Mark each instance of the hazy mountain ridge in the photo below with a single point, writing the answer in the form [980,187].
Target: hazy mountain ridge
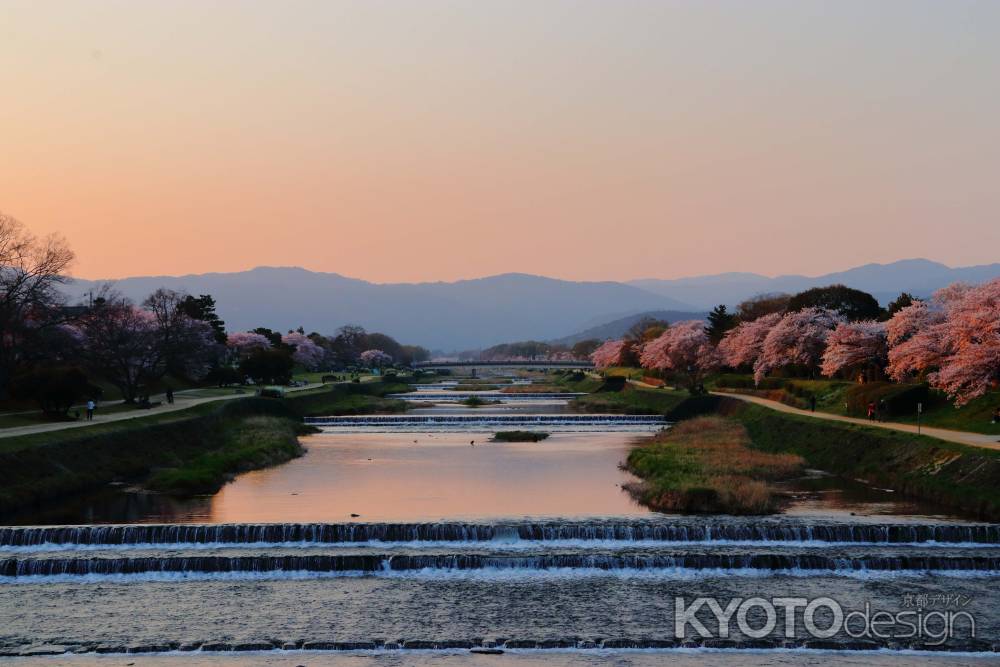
[920,277]
[456,315]
[618,327]
[476,313]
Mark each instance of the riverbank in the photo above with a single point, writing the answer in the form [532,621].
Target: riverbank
[250,443]
[957,476]
[630,399]
[187,451]
[708,465]
[895,402]
[951,475]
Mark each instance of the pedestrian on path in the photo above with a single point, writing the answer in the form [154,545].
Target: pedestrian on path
[170,395]
[871,411]
[91,406]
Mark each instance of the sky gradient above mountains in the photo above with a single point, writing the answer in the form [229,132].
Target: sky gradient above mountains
[585,139]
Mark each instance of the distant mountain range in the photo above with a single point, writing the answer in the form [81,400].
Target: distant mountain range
[466,314]
[919,277]
[469,314]
[618,327]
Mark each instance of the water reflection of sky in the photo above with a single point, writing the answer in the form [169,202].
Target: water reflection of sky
[421,476]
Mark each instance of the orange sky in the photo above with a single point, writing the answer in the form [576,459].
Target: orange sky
[433,140]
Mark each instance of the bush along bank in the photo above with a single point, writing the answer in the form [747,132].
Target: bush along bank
[708,465]
[629,399]
[248,444]
[349,399]
[188,452]
[83,459]
[956,476]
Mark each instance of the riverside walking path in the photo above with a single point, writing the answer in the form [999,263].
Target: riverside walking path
[960,437]
[182,401]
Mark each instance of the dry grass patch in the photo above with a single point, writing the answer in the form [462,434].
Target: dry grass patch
[707,464]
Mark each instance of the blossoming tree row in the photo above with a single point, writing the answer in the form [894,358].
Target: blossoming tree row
[951,340]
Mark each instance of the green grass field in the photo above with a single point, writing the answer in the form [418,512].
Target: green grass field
[630,400]
[849,398]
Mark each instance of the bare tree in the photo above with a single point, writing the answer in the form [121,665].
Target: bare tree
[31,270]
[135,347]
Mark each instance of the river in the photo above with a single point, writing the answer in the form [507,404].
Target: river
[409,540]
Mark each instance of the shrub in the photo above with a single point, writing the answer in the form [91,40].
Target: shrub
[900,399]
[224,375]
[269,366]
[519,436]
[616,383]
[55,388]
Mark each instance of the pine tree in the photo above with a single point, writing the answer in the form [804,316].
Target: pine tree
[719,322]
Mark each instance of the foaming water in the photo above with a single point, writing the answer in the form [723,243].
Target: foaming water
[595,533]
[681,657]
[422,610]
[501,575]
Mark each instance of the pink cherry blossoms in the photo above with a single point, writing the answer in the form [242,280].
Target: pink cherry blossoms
[861,344]
[799,338]
[683,348]
[611,353]
[969,340]
[245,342]
[307,353]
[375,358]
[741,346]
[915,337]
[951,341]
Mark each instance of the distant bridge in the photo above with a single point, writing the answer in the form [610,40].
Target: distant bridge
[503,364]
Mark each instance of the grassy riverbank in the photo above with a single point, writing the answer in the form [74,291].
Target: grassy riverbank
[248,444]
[630,399]
[185,451]
[708,465]
[351,398]
[953,475]
[565,381]
[898,401]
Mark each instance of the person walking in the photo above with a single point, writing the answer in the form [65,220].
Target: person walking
[170,395]
[812,403]
[871,411]
[91,406]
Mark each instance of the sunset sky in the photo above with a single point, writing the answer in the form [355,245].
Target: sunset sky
[402,141]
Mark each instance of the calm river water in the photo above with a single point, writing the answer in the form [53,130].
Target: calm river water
[410,545]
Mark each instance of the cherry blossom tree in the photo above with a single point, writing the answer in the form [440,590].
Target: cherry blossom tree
[246,342]
[134,347]
[612,353]
[683,350]
[970,338]
[915,335]
[860,344]
[307,353]
[798,339]
[741,346]
[375,358]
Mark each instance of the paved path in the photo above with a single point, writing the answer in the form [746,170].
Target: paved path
[961,437]
[181,402]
